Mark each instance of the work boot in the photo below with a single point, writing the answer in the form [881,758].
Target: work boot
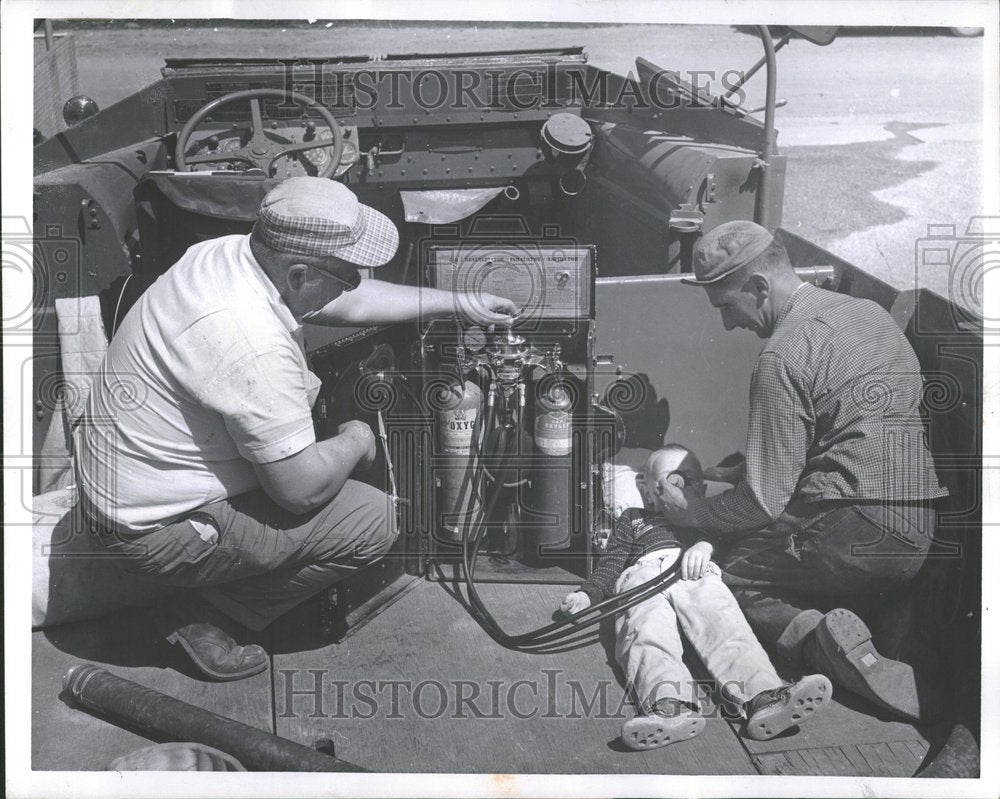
[201,632]
[841,648]
[671,721]
[773,711]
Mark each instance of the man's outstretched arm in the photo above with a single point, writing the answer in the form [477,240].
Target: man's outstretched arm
[376,302]
[778,438]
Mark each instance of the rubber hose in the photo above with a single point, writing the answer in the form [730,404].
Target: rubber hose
[557,631]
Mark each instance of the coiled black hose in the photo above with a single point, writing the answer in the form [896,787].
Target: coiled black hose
[559,631]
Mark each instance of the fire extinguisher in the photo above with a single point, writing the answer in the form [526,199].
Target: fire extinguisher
[458,503]
[551,486]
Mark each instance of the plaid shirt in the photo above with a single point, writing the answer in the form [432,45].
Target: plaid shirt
[834,414]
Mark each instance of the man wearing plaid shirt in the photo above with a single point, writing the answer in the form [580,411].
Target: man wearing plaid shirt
[831,504]
[212,478]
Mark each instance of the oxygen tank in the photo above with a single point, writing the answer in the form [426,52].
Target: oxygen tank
[457,461]
[551,490]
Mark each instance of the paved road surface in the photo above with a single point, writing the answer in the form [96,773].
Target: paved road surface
[883,132]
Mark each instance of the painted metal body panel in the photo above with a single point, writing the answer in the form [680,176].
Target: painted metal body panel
[675,371]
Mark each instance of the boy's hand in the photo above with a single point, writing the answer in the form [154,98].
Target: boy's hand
[574,603]
[695,559]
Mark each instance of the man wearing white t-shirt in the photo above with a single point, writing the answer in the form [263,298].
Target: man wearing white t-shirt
[198,461]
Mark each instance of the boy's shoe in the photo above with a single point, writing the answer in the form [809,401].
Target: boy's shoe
[202,633]
[841,647]
[772,712]
[671,721]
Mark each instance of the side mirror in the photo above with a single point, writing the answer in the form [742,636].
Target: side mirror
[817,34]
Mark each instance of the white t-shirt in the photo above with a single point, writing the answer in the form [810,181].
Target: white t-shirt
[206,376]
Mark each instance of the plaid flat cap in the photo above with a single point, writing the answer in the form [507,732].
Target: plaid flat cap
[726,248]
[317,216]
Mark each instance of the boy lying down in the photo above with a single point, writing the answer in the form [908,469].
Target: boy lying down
[648,636]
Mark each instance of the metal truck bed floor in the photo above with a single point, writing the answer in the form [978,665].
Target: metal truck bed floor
[436,656]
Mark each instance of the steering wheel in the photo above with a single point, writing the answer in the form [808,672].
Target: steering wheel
[260,150]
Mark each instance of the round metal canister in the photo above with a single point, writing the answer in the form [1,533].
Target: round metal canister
[568,136]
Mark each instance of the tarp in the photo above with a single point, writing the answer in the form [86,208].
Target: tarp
[177,210]
[445,205]
[233,197]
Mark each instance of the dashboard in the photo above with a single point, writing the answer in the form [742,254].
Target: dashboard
[230,139]
[474,116]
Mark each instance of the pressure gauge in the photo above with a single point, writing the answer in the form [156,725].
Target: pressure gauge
[318,157]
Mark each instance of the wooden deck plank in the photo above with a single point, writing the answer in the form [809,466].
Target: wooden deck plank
[65,737]
[915,749]
[436,654]
[858,760]
[892,759]
[895,759]
[833,761]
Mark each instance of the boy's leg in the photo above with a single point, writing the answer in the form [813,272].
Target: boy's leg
[649,649]
[720,634]
[648,645]
[718,631]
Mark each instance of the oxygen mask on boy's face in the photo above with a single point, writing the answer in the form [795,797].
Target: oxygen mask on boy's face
[669,490]
[649,485]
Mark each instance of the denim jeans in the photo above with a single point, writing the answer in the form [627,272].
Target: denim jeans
[253,559]
[811,560]
[649,647]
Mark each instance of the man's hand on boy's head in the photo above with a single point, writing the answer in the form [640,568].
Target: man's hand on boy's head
[731,469]
[574,603]
[671,501]
[695,559]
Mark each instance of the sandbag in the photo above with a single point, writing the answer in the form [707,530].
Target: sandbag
[72,577]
